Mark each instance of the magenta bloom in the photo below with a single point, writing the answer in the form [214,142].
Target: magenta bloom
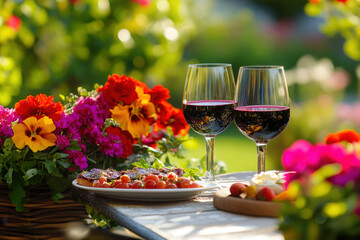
[7,116]
[143,3]
[78,157]
[305,158]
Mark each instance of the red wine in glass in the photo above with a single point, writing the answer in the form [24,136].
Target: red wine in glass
[261,123]
[208,104]
[262,105]
[208,117]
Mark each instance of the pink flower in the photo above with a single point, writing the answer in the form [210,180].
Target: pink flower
[13,22]
[143,3]
[305,158]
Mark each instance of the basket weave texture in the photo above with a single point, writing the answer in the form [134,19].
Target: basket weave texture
[42,217]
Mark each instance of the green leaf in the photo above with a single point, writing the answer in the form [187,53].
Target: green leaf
[25,152]
[30,173]
[142,163]
[56,197]
[60,155]
[7,146]
[17,194]
[63,164]
[157,164]
[28,165]
[74,146]
[192,172]
[50,166]
[9,176]
[56,173]
[167,161]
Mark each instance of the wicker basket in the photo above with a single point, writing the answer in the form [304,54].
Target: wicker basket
[42,218]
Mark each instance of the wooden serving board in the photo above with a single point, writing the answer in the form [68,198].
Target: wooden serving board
[224,201]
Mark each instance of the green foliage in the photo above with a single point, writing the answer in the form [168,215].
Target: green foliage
[62,44]
[21,168]
[99,220]
[340,18]
[157,164]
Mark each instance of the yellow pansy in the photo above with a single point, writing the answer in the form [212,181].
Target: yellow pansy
[135,117]
[34,133]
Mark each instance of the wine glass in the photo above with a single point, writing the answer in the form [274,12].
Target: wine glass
[208,104]
[262,105]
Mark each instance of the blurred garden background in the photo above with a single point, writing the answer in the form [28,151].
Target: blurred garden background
[54,46]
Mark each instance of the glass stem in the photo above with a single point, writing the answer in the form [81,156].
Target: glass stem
[261,152]
[210,141]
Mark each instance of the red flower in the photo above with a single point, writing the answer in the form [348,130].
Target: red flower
[121,90]
[39,106]
[125,137]
[173,117]
[178,123]
[343,1]
[159,93]
[13,22]
[164,111]
[345,135]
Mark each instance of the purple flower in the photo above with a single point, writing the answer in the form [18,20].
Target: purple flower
[78,157]
[62,141]
[112,146]
[91,111]
[7,116]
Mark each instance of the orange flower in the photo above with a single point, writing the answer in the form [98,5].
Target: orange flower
[345,135]
[34,133]
[137,117]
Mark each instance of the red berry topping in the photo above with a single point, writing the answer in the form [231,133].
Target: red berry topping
[150,184]
[237,188]
[265,194]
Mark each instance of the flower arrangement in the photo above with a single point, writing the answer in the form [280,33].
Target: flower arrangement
[42,141]
[325,188]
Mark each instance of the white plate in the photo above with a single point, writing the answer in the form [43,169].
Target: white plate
[153,195]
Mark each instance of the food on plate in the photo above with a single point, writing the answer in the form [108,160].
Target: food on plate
[136,178]
[87,178]
[265,194]
[266,186]
[237,188]
[271,179]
